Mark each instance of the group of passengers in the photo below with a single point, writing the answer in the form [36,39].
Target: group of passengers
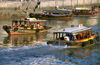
[84,12]
[84,35]
[27,25]
[79,36]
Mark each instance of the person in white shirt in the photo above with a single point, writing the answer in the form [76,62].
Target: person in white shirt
[66,38]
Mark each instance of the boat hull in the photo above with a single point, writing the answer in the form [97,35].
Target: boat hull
[26,32]
[54,17]
[97,9]
[78,43]
[22,31]
[85,15]
[72,44]
[43,16]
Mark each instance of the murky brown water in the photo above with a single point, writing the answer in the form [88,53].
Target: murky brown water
[28,40]
[23,51]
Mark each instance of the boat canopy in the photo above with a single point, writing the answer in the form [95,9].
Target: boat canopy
[57,11]
[73,29]
[35,20]
[97,6]
[82,8]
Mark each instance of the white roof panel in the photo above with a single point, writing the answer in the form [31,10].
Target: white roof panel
[73,29]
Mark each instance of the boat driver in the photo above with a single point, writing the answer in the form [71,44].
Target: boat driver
[66,38]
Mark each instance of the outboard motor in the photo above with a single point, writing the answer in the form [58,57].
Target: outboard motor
[6,28]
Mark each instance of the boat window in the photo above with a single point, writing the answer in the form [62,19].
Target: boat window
[71,37]
[77,37]
[83,35]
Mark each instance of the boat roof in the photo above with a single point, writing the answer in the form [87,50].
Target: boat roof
[35,20]
[74,29]
[82,8]
[57,11]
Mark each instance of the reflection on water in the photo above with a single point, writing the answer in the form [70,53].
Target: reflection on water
[24,40]
[32,49]
[46,55]
[29,40]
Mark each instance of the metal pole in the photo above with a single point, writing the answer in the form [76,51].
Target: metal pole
[59,35]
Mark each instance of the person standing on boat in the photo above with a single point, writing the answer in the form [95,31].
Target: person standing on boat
[16,23]
[25,22]
[45,26]
[20,22]
[38,25]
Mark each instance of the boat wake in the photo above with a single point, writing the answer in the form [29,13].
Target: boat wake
[30,55]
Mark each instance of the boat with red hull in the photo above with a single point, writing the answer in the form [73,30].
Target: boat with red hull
[97,8]
[53,14]
[74,37]
[26,27]
[81,11]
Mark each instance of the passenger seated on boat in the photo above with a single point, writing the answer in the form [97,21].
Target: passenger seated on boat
[22,25]
[32,26]
[78,37]
[87,34]
[20,22]
[84,35]
[25,27]
[66,38]
[45,26]
[14,22]
[72,38]
[25,22]
[38,24]
[62,38]
[90,33]
[77,12]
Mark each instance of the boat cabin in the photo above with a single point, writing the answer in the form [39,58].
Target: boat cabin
[78,11]
[58,12]
[74,34]
[53,14]
[29,24]
[97,8]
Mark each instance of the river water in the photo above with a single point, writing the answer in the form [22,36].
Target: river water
[32,49]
